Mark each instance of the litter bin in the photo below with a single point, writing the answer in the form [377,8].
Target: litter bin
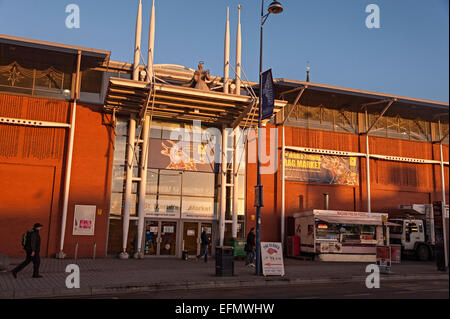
[224,261]
[184,255]
[239,247]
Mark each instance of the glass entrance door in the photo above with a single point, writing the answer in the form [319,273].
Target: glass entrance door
[151,240]
[160,238]
[168,238]
[190,238]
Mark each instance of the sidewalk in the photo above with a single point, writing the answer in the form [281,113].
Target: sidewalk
[112,275]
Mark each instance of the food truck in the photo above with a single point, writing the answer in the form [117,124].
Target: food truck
[333,235]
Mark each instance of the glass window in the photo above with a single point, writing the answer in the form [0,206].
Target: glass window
[168,204]
[198,206]
[120,150]
[345,121]
[169,182]
[118,179]
[314,117]
[198,184]
[152,181]
[444,132]
[116,204]
[380,127]
[172,131]
[327,119]
[121,127]
[419,130]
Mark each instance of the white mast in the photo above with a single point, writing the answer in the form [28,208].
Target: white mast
[238,54]
[226,70]
[137,43]
[151,44]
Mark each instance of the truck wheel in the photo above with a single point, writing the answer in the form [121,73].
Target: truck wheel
[423,253]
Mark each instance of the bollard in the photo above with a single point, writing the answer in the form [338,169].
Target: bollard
[95,249]
[76,251]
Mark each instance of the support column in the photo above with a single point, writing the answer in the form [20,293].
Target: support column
[235,182]
[128,185]
[142,186]
[283,185]
[369,207]
[61,253]
[443,204]
[223,186]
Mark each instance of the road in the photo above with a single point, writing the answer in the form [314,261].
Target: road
[432,289]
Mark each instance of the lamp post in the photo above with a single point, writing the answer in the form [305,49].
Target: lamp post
[275,7]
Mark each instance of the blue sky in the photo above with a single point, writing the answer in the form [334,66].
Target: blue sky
[408,55]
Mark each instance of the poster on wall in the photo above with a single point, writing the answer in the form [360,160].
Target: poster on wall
[181,155]
[272,259]
[84,220]
[323,169]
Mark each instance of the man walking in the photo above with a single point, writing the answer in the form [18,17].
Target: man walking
[205,243]
[32,246]
[250,248]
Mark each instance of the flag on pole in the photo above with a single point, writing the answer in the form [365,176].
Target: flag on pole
[267,95]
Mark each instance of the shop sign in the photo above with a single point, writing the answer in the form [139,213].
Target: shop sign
[181,155]
[324,169]
[272,259]
[84,220]
[197,208]
[162,208]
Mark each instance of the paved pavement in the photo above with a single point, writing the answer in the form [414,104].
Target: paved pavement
[113,276]
[423,289]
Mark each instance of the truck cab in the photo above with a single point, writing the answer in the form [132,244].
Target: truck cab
[410,233]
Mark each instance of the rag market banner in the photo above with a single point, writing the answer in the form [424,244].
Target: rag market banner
[323,169]
[181,155]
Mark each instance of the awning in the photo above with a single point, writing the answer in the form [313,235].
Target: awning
[182,103]
[353,221]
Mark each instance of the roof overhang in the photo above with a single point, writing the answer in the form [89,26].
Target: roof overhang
[182,103]
[52,46]
[317,93]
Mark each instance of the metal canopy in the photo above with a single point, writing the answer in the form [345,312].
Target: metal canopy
[52,46]
[337,97]
[181,103]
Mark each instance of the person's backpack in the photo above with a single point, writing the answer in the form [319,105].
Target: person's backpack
[26,238]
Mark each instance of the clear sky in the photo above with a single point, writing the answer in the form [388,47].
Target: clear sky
[408,55]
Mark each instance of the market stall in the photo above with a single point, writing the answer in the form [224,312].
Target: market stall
[341,235]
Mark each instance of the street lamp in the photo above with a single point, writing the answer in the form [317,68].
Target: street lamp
[275,8]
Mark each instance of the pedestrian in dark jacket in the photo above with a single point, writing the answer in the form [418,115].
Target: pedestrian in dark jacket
[32,248]
[250,248]
[205,243]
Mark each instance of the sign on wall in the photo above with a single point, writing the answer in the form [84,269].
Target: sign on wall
[272,259]
[324,169]
[84,220]
[180,155]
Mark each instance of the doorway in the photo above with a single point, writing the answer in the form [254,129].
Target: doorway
[192,232]
[160,238]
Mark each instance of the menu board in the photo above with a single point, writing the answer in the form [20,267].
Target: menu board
[324,169]
[272,259]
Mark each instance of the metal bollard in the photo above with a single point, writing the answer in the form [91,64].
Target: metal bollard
[95,249]
[76,251]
